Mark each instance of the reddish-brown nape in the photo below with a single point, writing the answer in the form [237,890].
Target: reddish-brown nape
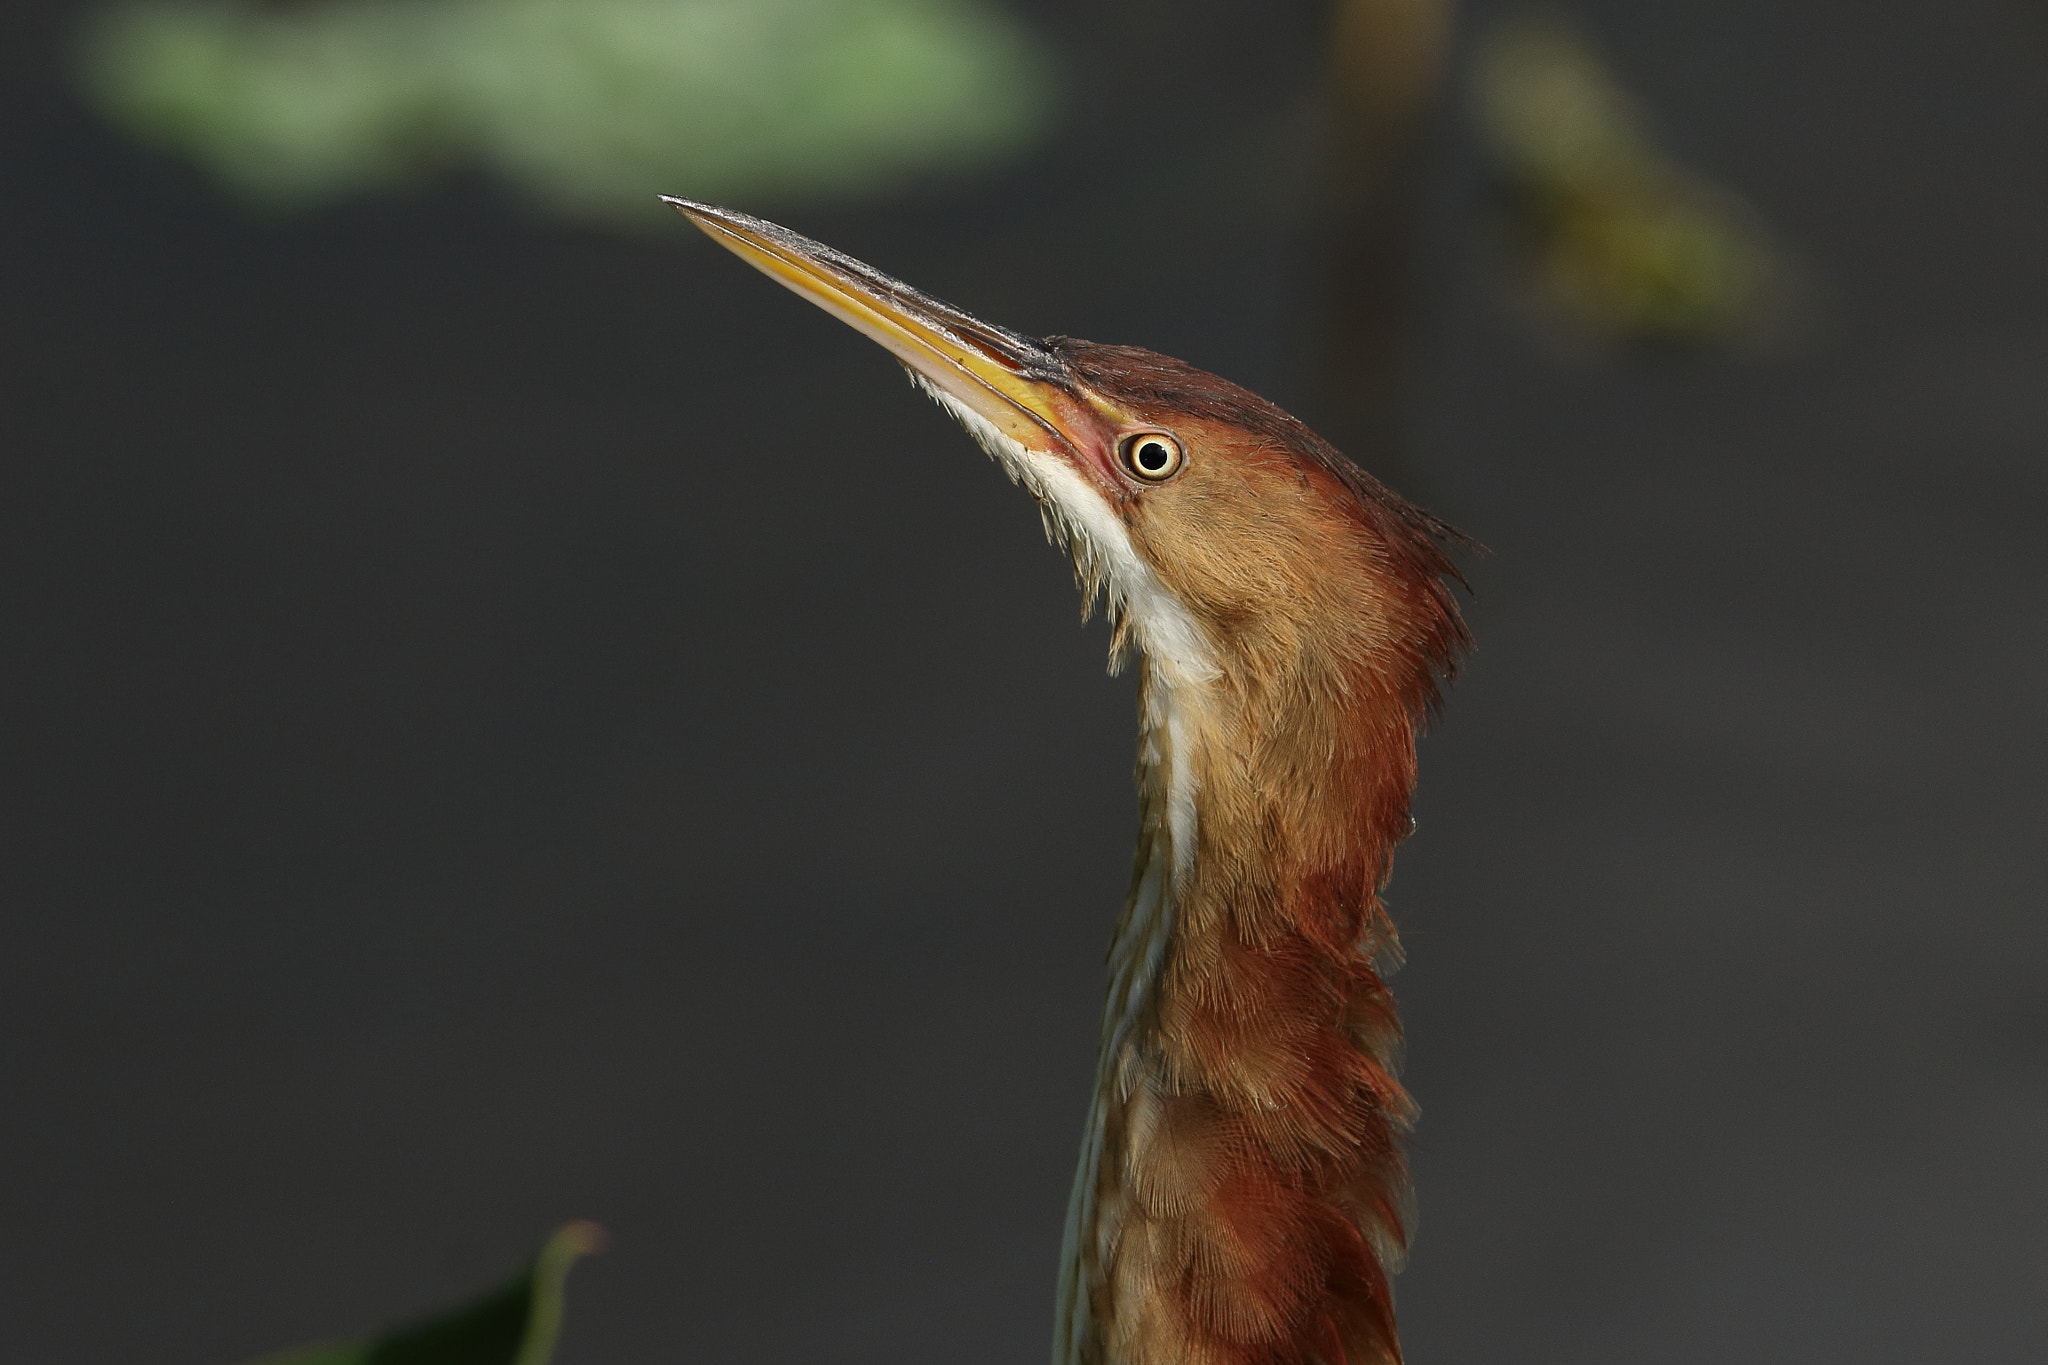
[1247,1197]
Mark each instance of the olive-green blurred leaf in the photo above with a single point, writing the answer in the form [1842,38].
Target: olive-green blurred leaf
[513,1325]
[590,106]
[1615,238]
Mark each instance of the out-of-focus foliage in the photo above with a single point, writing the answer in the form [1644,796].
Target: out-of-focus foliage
[1386,57]
[590,106]
[1616,239]
[514,1325]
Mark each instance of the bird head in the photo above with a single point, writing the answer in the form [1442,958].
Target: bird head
[1232,545]
[1241,1190]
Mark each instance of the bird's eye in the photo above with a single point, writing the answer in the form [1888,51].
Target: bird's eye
[1152,456]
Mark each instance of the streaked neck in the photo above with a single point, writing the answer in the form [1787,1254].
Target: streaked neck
[1241,1195]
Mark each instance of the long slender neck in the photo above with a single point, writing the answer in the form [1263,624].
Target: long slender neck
[1241,1198]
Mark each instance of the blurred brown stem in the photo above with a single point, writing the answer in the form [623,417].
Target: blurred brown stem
[1386,62]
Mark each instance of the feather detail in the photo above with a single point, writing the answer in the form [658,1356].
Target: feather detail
[1243,1198]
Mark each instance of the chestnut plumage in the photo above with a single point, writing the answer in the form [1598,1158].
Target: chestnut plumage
[1242,1196]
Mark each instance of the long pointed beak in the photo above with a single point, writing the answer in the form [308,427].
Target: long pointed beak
[1008,379]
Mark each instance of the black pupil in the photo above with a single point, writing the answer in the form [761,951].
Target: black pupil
[1153,457]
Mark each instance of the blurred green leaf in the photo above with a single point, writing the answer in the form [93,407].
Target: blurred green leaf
[590,106]
[1616,239]
[514,1325]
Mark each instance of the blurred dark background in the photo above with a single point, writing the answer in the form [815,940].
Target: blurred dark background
[508,721]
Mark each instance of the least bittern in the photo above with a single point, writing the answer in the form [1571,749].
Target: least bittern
[1242,1195]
